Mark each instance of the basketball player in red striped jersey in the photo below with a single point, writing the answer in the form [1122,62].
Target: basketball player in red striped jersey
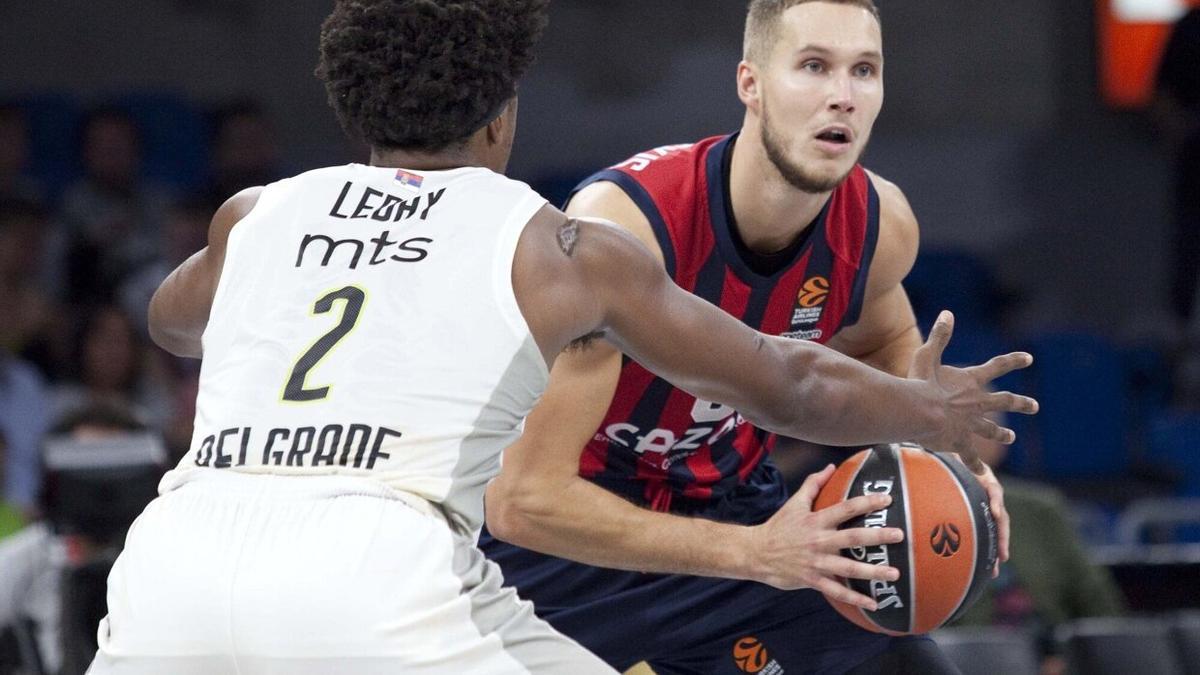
[782,228]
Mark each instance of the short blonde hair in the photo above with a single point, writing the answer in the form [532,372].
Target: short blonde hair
[762,23]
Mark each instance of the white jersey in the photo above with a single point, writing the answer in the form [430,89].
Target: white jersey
[365,324]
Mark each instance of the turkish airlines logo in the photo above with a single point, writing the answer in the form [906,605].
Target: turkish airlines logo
[945,540]
[814,292]
[750,655]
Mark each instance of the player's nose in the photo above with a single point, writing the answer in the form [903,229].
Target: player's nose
[841,93]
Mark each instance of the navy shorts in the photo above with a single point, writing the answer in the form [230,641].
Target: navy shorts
[686,624]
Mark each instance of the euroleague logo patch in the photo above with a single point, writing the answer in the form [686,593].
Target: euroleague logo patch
[814,292]
[945,539]
[750,655]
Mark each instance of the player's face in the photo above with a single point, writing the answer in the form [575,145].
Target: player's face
[820,92]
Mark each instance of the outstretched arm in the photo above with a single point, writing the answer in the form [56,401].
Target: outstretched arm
[576,277]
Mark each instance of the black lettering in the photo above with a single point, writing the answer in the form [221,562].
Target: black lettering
[421,253]
[381,242]
[405,210]
[364,433]
[338,204]
[434,198]
[362,203]
[204,452]
[296,455]
[330,247]
[277,458]
[326,458]
[384,212]
[245,446]
[224,461]
[376,454]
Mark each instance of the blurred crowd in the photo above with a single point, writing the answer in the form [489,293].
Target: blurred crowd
[78,265]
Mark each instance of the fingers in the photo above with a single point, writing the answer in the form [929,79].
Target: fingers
[1001,365]
[866,536]
[981,426]
[851,508]
[812,485]
[846,568]
[839,592]
[969,457]
[929,356]
[1007,401]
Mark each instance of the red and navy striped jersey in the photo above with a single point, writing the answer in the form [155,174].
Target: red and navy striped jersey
[660,446]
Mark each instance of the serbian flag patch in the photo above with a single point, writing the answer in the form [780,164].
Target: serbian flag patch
[409,181]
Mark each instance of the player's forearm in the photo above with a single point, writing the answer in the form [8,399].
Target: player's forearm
[835,400]
[581,521]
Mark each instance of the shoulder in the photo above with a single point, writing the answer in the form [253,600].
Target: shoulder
[899,234]
[896,218]
[231,213]
[609,202]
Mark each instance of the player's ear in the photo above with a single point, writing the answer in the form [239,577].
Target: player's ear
[748,86]
[501,128]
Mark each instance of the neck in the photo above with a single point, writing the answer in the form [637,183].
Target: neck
[770,212]
[453,158]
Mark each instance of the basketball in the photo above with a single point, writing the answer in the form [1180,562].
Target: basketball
[950,542]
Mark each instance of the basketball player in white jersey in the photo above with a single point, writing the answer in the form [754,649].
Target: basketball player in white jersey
[373,337]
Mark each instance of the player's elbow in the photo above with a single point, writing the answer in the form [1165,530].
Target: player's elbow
[514,510]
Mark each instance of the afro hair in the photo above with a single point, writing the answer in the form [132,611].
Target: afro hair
[425,74]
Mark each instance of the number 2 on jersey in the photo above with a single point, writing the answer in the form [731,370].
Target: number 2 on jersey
[353,297]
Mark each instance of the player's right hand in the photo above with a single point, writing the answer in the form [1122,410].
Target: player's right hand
[800,548]
[966,397]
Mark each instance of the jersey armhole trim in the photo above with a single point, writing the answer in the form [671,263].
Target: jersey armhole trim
[870,240]
[232,245]
[506,251]
[645,204]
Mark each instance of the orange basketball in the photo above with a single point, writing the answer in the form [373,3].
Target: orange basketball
[949,546]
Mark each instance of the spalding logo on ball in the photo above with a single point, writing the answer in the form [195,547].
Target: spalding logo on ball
[949,546]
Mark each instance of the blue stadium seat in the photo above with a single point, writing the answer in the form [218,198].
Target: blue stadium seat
[955,280]
[1081,428]
[175,137]
[1175,442]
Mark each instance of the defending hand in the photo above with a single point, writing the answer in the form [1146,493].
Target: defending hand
[965,395]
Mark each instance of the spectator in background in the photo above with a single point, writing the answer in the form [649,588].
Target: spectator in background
[245,152]
[185,231]
[1048,579]
[112,364]
[24,406]
[36,559]
[112,218]
[34,323]
[11,518]
[14,156]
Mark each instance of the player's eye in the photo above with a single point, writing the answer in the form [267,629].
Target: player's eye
[864,70]
[813,66]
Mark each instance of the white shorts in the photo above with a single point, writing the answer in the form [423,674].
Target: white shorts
[235,573]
